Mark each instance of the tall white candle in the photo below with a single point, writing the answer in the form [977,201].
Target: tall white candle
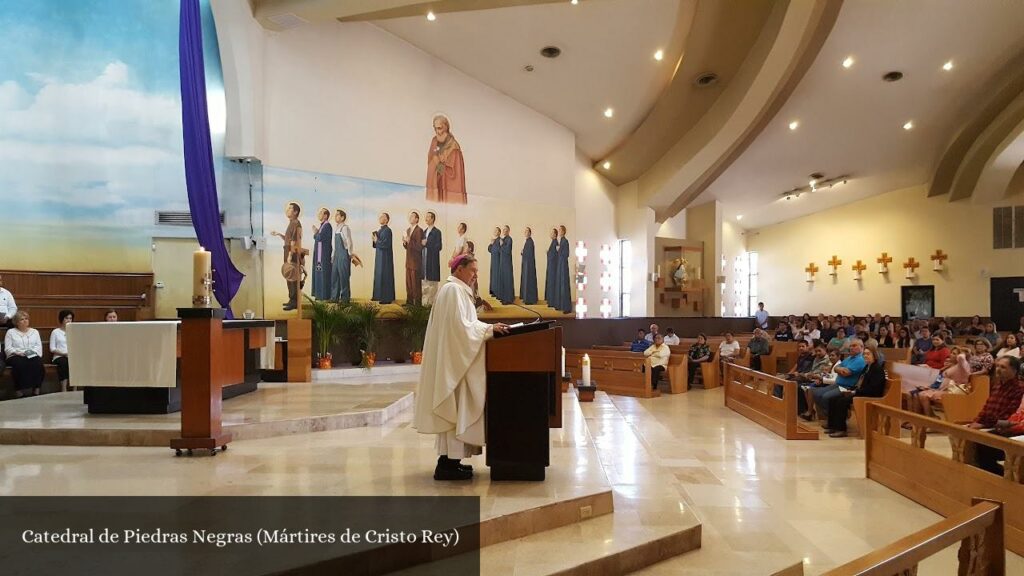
[586,370]
[563,363]
[201,262]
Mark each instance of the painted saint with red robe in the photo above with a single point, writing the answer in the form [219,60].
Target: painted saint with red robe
[446,172]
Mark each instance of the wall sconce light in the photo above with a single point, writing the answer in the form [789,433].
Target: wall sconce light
[581,308]
[883,263]
[911,266]
[857,269]
[811,271]
[606,308]
[835,263]
[938,260]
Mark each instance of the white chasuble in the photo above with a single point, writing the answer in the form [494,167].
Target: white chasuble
[453,381]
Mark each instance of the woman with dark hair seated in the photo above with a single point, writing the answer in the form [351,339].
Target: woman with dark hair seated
[903,339]
[871,385]
[25,356]
[699,353]
[59,347]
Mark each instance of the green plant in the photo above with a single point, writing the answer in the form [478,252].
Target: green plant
[414,325]
[328,323]
[361,323]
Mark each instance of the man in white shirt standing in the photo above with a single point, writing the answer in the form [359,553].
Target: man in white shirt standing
[7,306]
[761,317]
[659,354]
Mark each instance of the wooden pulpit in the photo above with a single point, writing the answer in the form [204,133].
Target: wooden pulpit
[524,400]
[202,376]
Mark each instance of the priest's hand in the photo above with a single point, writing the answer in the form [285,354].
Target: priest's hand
[500,328]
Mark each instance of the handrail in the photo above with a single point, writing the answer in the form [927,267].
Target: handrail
[979,529]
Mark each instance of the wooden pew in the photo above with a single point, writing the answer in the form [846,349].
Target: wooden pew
[964,408]
[749,393]
[942,483]
[979,530]
[893,397]
[615,371]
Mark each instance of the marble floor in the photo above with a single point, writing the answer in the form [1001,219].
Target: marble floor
[764,503]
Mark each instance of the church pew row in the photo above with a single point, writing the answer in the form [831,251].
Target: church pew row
[956,408]
[615,371]
[678,377]
[749,393]
[945,484]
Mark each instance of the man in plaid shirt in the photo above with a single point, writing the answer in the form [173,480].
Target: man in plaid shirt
[1005,398]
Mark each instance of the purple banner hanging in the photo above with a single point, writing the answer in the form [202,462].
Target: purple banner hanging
[199,175]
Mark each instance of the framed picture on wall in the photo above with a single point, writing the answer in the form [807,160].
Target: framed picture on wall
[917,302]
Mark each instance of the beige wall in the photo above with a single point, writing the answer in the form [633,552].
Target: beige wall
[704,224]
[733,245]
[595,222]
[903,223]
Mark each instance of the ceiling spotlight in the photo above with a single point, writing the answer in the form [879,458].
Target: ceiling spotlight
[739,216]
[948,65]
[607,165]
[608,112]
[909,125]
[659,55]
[848,62]
[574,2]
[431,16]
[794,124]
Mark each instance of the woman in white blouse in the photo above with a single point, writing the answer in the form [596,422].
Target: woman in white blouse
[59,347]
[25,355]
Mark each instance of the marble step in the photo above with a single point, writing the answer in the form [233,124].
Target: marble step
[603,546]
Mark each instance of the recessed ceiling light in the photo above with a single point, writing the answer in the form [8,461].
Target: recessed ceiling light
[794,124]
[608,112]
[739,216]
[948,65]
[574,2]
[659,55]
[431,16]
[909,125]
[848,62]
[607,165]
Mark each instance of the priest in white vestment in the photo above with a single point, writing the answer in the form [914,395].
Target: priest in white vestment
[453,381]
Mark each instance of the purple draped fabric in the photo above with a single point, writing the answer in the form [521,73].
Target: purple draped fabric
[199,175]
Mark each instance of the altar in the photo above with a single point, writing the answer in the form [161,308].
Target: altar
[135,367]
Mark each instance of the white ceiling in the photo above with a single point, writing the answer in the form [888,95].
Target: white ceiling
[607,58]
[851,122]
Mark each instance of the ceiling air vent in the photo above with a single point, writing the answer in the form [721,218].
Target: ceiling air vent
[1002,227]
[287,20]
[706,79]
[177,218]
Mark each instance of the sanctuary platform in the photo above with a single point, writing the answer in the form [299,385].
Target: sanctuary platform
[275,409]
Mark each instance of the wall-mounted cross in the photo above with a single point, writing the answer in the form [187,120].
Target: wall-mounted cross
[884,259]
[811,269]
[912,264]
[835,261]
[859,267]
[939,257]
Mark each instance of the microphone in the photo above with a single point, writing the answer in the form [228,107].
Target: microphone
[534,312]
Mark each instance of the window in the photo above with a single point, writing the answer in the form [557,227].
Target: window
[625,276]
[1008,227]
[752,288]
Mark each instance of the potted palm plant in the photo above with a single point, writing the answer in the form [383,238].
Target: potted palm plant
[327,325]
[414,329]
[361,320]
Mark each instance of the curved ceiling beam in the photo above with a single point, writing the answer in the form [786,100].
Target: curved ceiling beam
[988,166]
[266,11]
[721,35]
[1009,83]
[787,47]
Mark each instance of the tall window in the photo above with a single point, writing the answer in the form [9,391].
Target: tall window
[752,287]
[625,276]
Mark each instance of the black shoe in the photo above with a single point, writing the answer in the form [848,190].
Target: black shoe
[448,469]
[806,416]
[288,306]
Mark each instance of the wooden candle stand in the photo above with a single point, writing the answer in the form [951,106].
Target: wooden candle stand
[202,354]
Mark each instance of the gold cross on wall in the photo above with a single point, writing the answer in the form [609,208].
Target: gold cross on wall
[811,268]
[835,261]
[884,259]
[859,267]
[939,256]
[912,264]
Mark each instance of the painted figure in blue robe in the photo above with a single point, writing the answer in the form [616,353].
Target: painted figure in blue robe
[341,271]
[495,250]
[528,271]
[551,272]
[506,272]
[383,263]
[323,248]
[432,247]
[564,281]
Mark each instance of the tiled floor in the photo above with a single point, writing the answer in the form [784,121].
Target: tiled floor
[764,503]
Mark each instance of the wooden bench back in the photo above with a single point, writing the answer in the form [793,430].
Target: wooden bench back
[749,393]
[615,371]
[946,484]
